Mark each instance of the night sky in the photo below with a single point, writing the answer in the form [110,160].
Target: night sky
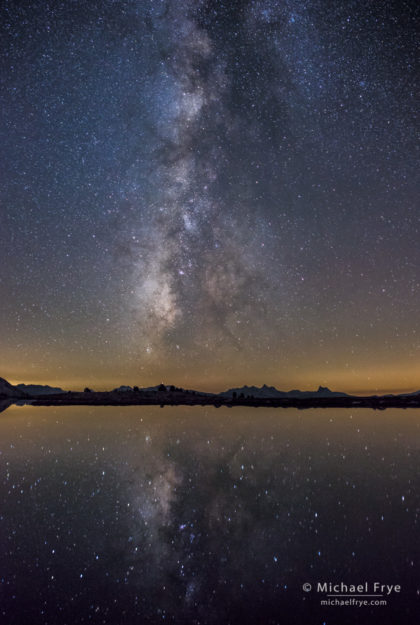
[210,194]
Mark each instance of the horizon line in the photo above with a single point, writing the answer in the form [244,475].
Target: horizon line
[357,392]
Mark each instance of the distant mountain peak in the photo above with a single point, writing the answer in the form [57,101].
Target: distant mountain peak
[8,390]
[39,389]
[266,391]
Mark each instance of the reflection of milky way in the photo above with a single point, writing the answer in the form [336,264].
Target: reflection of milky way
[198,516]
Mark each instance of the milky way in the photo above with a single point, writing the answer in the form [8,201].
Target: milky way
[210,193]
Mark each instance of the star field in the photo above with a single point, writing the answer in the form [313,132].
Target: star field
[210,193]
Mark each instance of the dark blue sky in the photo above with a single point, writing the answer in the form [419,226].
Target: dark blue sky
[210,193]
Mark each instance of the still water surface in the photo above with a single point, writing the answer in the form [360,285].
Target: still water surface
[199,515]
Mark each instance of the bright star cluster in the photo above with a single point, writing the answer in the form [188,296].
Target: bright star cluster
[210,193]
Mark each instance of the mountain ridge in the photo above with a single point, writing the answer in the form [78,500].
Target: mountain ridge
[264,392]
[8,390]
[39,389]
[271,391]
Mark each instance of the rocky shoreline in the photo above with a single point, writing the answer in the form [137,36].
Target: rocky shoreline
[194,398]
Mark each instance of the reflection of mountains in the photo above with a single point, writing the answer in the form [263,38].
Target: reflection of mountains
[4,404]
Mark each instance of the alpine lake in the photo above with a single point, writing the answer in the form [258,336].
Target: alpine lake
[204,516]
